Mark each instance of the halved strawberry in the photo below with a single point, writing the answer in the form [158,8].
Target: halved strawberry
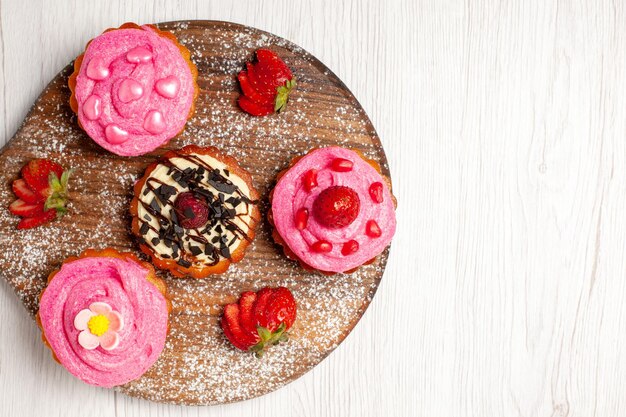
[37,172]
[238,336]
[24,192]
[253,108]
[246,314]
[38,220]
[24,209]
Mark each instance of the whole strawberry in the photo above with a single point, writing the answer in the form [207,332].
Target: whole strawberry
[42,193]
[260,319]
[265,84]
[337,206]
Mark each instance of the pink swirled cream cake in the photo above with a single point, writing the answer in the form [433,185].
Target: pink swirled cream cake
[332,210]
[195,212]
[133,89]
[104,315]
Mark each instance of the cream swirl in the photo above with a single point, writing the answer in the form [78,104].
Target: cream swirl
[122,285]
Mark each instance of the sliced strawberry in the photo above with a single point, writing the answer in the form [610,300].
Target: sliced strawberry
[252,77]
[229,334]
[251,92]
[266,82]
[269,78]
[37,174]
[268,57]
[280,308]
[271,70]
[235,333]
[259,319]
[24,209]
[24,192]
[246,315]
[257,83]
[262,297]
[38,220]
[42,192]
[253,108]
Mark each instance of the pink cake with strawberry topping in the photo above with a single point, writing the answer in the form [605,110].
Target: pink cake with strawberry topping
[105,317]
[133,89]
[333,210]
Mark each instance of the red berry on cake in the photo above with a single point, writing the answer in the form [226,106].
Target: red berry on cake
[301,218]
[260,319]
[322,246]
[192,211]
[336,206]
[372,229]
[265,84]
[376,192]
[350,247]
[309,180]
[341,165]
[42,193]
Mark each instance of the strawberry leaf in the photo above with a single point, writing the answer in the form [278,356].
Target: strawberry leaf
[54,182]
[264,333]
[57,199]
[282,95]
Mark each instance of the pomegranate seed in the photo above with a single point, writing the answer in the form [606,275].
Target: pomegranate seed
[322,246]
[350,247]
[341,165]
[301,218]
[309,180]
[376,192]
[372,229]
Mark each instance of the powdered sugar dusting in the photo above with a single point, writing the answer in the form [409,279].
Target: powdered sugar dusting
[198,365]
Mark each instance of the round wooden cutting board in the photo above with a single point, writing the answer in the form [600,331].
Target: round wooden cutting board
[198,365]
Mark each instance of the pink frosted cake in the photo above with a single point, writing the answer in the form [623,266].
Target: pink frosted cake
[104,315]
[332,210]
[133,89]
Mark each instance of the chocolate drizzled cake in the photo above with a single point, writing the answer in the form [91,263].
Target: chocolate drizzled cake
[195,211]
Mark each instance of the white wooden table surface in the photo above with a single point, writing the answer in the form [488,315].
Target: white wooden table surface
[505,126]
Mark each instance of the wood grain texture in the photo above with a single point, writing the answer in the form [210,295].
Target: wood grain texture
[504,125]
[198,365]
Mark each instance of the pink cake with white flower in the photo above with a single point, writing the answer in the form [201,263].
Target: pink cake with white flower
[104,315]
[333,210]
[133,89]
